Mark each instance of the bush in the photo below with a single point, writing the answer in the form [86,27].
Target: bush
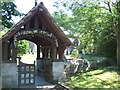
[75,53]
[23,47]
[108,48]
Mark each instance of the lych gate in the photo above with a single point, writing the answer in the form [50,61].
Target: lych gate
[39,27]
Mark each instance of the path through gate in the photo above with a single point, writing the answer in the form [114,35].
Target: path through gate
[26,74]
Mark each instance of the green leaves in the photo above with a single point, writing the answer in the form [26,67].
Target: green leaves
[90,23]
[23,47]
[8,9]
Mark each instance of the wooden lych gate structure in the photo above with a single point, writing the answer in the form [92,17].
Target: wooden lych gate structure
[39,27]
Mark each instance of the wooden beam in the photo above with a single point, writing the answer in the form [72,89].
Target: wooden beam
[27,25]
[61,52]
[38,52]
[44,26]
[5,51]
[54,52]
[43,52]
[20,24]
[46,52]
[14,53]
[36,22]
[9,51]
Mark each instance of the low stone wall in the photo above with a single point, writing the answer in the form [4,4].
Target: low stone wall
[63,69]
[9,75]
[94,64]
[75,66]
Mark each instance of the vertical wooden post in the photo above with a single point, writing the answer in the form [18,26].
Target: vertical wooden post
[36,22]
[5,51]
[46,52]
[54,52]
[14,53]
[38,52]
[51,52]
[43,52]
[9,51]
[27,25]
[61,52]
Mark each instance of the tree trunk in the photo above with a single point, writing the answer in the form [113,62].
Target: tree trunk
[118,48]
[118,38]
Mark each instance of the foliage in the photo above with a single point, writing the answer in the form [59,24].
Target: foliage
[75,53]
[90,23]
[1,33]
[106,77]
[93,57]
[23,47]
[8,9]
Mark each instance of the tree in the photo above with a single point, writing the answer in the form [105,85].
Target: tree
[91,23]
[117,26]
[23,47]
[8,10]
[114,9]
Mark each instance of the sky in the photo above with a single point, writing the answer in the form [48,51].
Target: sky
[24,6]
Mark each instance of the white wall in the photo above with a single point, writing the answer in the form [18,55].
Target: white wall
[9,75]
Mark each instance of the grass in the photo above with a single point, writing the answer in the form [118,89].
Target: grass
[106,77]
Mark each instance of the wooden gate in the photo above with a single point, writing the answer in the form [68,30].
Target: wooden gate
[26,74]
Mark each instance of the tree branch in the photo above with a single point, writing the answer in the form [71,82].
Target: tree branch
[109,7]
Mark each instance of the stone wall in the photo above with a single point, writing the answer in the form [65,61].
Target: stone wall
[0,76]
[0,83]
[9,75]
[76,66]
[0,64]
[59,73]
